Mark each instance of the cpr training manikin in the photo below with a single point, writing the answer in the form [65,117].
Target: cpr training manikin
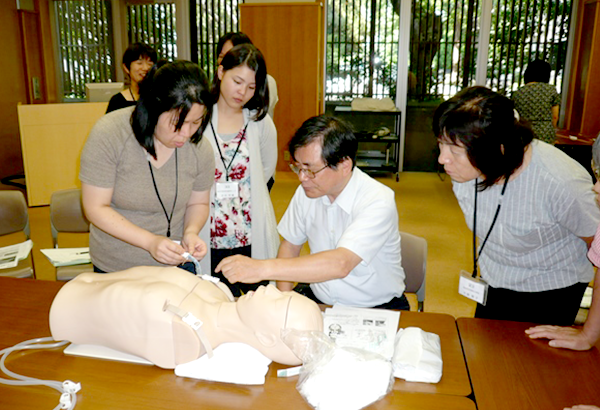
[170,317]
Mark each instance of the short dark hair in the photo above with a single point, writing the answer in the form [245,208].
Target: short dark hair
[173,86]
[483,122]
[537,71]
[137,50]
[250,56]
[236,39]
[336,136]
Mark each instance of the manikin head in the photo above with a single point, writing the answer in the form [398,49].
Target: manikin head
[125,311]
[267,311]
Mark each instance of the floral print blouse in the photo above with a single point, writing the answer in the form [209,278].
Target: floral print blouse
[231,220]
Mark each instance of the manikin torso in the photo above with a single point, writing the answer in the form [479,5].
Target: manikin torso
[125,311]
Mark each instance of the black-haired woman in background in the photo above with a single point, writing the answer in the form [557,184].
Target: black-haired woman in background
[538,102]
[146,173]
[138,59]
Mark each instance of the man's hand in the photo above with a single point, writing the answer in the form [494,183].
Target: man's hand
[238,268]
[565,337]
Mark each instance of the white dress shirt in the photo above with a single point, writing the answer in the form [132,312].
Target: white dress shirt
[362,219]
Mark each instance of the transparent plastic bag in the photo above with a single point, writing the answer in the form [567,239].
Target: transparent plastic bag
[334,377]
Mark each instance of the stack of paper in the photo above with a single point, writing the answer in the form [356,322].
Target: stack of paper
[11,255]
[67,256]
[369,329]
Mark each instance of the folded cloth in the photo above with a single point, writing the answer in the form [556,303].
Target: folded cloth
[417,356]
[345,378]
[236,363]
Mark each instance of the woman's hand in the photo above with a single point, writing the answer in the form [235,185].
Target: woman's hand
[164,250]
[194,245]
[564,337]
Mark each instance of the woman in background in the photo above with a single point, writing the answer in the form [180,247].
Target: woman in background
[138,59]
[146,173]
[226,43]
[244,142]
[537,101]
[230,40]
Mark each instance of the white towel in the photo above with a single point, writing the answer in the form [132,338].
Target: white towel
[347,378]
[417,356]
[236,363]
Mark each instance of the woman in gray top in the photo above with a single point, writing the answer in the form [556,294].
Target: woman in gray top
[531,207]
[146,173]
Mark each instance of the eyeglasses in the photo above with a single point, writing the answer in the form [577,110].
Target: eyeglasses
[596,170]
[310,174]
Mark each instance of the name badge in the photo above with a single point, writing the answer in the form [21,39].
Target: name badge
[473,288]
[227,190]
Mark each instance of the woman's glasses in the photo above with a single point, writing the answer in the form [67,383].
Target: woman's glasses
[309,174]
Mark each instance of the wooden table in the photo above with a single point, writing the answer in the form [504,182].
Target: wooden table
[24,307]
[510,371]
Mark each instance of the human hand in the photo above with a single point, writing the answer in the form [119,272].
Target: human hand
[164,250]
[194,245]
[239,268]
[565,337]
[583,407]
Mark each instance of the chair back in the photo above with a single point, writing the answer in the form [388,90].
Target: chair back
[14,215]
[414,262]
[66,216]
[14,219]
[66,213]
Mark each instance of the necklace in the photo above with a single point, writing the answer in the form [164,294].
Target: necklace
[132,96]
[169,217]
[476,254]
[243,134]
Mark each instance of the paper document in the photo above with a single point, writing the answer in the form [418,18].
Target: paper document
[67,256]
[370,329]
[11,255]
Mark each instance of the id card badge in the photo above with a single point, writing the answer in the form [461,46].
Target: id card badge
[473,288]
[227,190]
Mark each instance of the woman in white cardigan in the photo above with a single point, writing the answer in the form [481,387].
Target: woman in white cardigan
[244,141]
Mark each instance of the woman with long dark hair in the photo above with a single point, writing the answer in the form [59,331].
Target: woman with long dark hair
[244,142]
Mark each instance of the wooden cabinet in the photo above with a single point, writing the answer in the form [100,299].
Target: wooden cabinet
[291,37]
[583,100]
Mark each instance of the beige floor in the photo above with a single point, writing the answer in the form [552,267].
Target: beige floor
[426,208]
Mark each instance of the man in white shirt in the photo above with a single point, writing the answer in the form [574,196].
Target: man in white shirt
[349,220]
